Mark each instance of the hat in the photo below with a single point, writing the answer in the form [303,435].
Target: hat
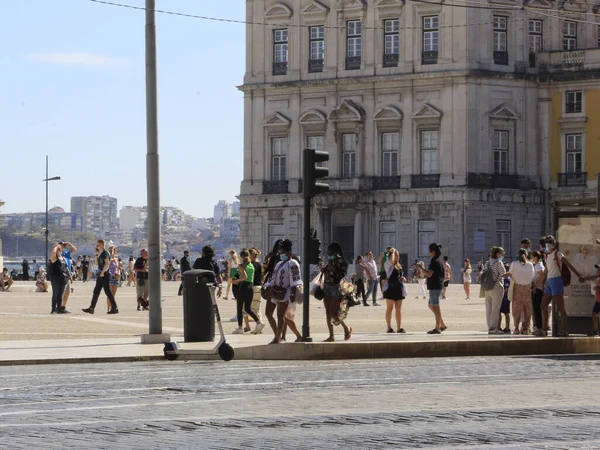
[143,250]
[60,242]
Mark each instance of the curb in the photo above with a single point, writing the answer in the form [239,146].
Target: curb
[115,359]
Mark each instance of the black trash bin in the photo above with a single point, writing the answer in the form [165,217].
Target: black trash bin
[198,311]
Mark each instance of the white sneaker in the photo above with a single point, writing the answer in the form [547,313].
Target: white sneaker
[238,331]
[233,319]
[497,331]
[259,327]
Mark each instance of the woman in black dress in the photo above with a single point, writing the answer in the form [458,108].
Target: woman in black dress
[393,291]
[333,273]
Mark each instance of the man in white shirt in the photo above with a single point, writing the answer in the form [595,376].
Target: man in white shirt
[371,278]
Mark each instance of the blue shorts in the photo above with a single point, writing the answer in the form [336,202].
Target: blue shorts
[596,308]
[434,297]
[332,290]
[555,286]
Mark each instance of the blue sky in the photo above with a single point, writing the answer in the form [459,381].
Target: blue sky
[72,87]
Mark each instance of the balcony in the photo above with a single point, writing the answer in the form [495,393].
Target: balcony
[391,60]
[569,61]
[498,181]
[353,62]
[276,187]
[280,68]
[315,65]
[384,183]
[571,179]
[429,57]
[430,180]
[501,58]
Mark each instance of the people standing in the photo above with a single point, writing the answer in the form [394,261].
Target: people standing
[114,270]
[206,262]
[505,308]
[435,281]
[67,249]
[421,279]
[131,271]
[283,286]
[102,280]
[537,292]
[85,267]
[256,288]
[372,278]
[466,275]
[447,276]
[382,260]
[361,279]
[245,292]
[333,273]
[493,296]
[185,266]
[271,262]
[555,287]
[522,274]
[58,277]
[394,291]
[140,268]
[25,266]
[232,270]
[78,267]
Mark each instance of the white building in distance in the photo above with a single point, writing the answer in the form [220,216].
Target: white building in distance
[98,213]
[430,114]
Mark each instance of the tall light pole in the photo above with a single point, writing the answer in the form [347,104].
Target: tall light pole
[152,185]
[47,231]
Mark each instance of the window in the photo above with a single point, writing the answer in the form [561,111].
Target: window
[430,40]
[317,49]
[501,152]
[429,144]
[390,143]
[573,102]
[278,159]
[387,234]
[598,32]
[391,37]
[316,143]
[500,38]
[426,236]
[276,232]
[536,36]
[503,235]
[349,155]
[280,52]
[574,153]
[569,35]
[353,44]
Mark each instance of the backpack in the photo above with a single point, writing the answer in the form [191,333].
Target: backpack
[487,277]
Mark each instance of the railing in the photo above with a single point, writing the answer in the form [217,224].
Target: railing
[383,183]
[280,68]
[276,187]
[391,60]
[569,179]
[498,181]
[568,61]
[501,57]
[315,65]
[353,62]
[430,180]
[429,57]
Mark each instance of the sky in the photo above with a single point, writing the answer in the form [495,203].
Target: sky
[72,86]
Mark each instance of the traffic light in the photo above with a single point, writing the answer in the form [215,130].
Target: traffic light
[312,173]
[314,251]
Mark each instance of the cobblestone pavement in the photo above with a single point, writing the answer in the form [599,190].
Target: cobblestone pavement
[26,315]
[451,403]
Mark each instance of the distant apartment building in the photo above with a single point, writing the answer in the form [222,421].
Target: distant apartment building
[235,209]
[26,222]
[131,217]
[231,228]
[222,210]
[98,213]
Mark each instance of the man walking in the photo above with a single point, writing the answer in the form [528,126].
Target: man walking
[25,266]
[185,266]
[67,248]
[102,280]
[141,283]
[85,267]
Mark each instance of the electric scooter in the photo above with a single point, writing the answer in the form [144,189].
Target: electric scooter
[172,350]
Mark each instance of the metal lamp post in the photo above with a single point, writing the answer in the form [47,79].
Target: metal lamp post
[47,231]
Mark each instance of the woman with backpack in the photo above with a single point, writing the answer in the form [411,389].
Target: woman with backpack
[558,278]
[492,283]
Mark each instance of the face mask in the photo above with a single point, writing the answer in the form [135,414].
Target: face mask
[500,258]
[283,257]
[330,257]
[549,247]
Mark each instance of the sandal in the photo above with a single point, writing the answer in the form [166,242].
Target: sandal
[298,339]
[330,339]
[444,328]
[434,331]
[348,335]
[401,330]
[390,330]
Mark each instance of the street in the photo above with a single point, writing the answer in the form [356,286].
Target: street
[445,403]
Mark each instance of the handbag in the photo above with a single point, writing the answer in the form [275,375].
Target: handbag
[265,292]
[278,292]
[346,287]
[511,290]
[316,287]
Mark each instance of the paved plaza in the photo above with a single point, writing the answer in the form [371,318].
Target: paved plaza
[444,403]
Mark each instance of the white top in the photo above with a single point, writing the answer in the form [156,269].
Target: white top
[539,267]
[522,274]
[467,275]
[553,268]
[175,264]
[286,275]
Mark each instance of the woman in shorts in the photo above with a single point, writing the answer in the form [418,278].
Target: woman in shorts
[393,291]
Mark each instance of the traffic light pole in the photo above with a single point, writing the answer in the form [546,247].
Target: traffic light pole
[306,274]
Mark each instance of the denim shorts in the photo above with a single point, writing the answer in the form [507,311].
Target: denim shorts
[434,297]
[332,290]
[555,286]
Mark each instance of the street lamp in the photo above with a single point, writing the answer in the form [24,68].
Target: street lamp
[47,232]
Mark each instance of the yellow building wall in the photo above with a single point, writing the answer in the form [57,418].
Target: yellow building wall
[591,104]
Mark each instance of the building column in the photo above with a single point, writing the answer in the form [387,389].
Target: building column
[320,224]
[357,233]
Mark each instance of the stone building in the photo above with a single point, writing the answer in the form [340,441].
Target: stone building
[430,114]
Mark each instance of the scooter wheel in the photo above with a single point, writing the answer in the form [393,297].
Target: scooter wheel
[226,352]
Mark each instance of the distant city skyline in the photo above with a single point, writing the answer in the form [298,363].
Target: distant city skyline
[74,90]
